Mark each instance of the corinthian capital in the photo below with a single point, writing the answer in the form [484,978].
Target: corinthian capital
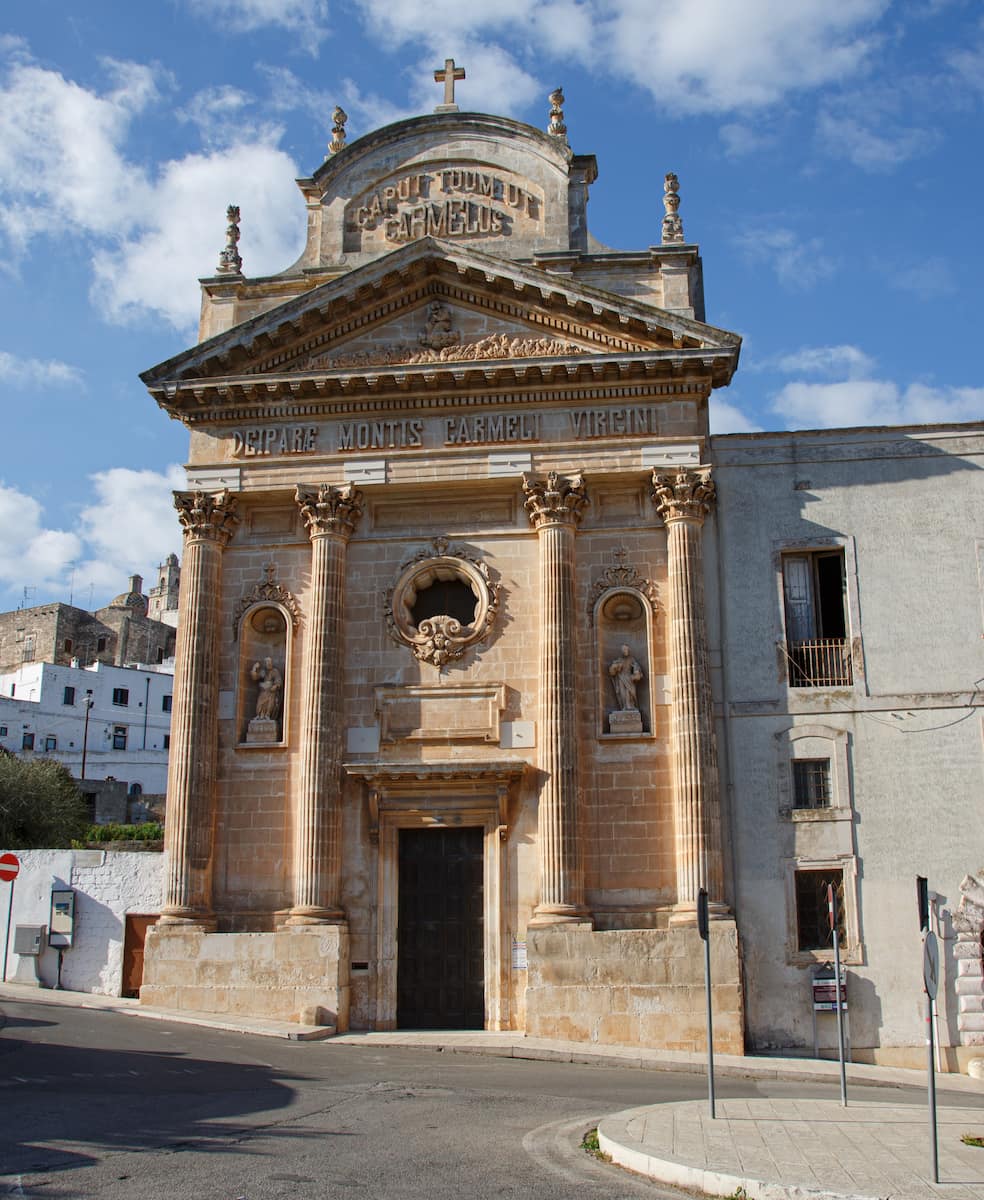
[683,495]
[557,499]
[329,509]
[209,515]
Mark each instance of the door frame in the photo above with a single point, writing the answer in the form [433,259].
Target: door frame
[429,795]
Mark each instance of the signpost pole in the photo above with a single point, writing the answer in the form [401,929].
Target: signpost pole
[931,980]
[9,867]
[6,939]
[704,931]
[832,913]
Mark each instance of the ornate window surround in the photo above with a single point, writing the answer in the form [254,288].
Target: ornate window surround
[813,742]
[440,640]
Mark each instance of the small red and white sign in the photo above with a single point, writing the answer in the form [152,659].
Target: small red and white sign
[9,866]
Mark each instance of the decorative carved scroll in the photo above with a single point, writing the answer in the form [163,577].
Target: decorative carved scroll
[269,592]
[622,577]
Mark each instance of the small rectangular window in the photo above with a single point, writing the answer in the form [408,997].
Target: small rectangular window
[68,695]
[811,783]
[119,737]
[68,645]
[121,697]
[100,645]
[27,741]
[167,741]
[166,703]
[812,920]
[3,730]
[29,648]
[160,654]
[51,743]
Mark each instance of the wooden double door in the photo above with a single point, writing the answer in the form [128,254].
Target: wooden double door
[440,931]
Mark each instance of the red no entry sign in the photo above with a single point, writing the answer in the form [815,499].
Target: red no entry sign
[9,866]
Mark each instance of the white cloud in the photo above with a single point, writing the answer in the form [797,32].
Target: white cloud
[37,372]
[799,263]
[130,527]
[704,56]
[60,162]
[875,402]
[308,19]
[184,230]
[726,417]
[740,139]
[30,555]
[868,146]
[826,360]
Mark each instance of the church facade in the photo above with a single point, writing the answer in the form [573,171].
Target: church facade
[454,738]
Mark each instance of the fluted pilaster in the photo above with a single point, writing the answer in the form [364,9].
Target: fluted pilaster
[683,499]
[330,514]
[208,521]
[555,507]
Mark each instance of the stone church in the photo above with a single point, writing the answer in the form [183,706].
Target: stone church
[450,730]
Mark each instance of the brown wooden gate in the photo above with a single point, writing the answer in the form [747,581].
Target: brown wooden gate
[440,943]
[135,931]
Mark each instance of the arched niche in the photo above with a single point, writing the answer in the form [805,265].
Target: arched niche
[623,621]
[264,636]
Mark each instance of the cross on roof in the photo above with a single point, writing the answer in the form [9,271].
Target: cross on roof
[448,77]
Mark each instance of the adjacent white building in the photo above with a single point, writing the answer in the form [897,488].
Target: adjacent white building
[43,711]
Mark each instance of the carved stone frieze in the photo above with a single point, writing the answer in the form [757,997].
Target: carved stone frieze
[494,346]
[328,509]
[208,515]
[683,495]
[622,577]
[440,638]
[557,499]
[268,591]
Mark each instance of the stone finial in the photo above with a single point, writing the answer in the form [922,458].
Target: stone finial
[448,77]
[339,116]
[672,222]
[557,126]
[229,261]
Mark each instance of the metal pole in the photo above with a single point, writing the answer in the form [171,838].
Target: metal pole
[6,939]
[832,901]
[703,929]
[933,1139]
[87,704]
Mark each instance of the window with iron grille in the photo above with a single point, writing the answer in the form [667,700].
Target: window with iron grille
[811,783]
[817,645]
[119,737]
[812,920]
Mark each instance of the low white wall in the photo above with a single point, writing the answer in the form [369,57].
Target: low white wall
[108,885]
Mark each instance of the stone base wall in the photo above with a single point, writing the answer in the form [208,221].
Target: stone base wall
[297,974]
[642,987]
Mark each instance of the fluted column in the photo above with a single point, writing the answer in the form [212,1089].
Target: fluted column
[683,499]
[208,521]
[330,514]
[555,507]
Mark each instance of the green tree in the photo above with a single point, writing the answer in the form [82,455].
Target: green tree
[40,806]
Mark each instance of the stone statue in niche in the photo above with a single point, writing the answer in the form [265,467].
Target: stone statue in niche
[626,676]
[270,682]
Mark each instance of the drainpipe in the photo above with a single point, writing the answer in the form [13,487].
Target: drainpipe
[146,706]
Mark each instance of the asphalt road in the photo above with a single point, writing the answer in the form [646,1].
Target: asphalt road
[108,1105]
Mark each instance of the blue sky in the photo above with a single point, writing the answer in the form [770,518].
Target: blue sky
[830,162]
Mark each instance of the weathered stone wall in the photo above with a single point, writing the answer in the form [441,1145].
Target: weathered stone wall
[291,975]
[640,987]
[108,885]
[127,637]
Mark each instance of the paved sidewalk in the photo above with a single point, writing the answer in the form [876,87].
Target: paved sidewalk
[773,1149]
